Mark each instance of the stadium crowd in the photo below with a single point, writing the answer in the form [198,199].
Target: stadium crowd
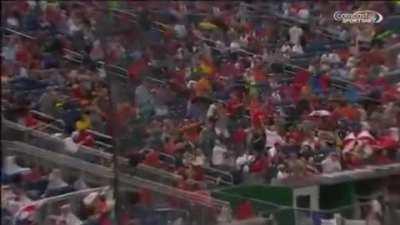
[211,85]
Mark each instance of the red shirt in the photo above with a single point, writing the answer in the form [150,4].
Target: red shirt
[354,162]
[86,139]
[145,197]
[244,211]
[227,70]
[232,106]
[382,160]
[297,136]
[259,74]
[260,165]
[257,114]
[136,68]
[77,92]
[22,7]
[239,136]
[152,159]
[198,173]
[30,121]
[22,56]
[34,176]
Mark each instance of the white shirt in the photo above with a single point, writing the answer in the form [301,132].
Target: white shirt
[282,175]
[295,34]
[376,206]
[272,137]
[72,26]
[330,166]
[298,49]
[180,30]
[244,159]
[218,155]
[272,152]
[234,46]
[334,58]
[212,110]
[330,58]
[285,48]
[12,22]
[8,52]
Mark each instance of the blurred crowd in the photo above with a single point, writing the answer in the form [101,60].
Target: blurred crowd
[266,92]
[23,188]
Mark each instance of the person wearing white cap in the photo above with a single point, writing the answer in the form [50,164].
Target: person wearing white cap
[56,184]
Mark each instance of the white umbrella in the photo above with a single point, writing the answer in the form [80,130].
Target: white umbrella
[351,140]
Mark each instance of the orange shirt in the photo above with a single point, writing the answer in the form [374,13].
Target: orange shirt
[191,132]
[202,87]
[349,112]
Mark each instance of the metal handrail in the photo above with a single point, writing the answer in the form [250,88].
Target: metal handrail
[20,33]
[103,156]
[62,125]
[210,170]
[70,52]
[40,203]
[103,172]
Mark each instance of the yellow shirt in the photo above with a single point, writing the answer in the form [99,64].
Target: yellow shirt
[207,26]
[83,123]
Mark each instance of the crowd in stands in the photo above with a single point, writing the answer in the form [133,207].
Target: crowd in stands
[23,188]
[209,83]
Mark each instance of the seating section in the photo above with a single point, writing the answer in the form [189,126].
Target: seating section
[193,96]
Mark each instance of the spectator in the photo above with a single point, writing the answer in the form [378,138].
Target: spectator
[295,34]
[331,164]
[219,154]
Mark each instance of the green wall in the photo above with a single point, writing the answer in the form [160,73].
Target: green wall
[260,196]
[333,196]
[367,187]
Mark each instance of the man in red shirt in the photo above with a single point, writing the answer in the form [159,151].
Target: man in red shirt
[260,164]
[85,138]
[152,159]
[233,105]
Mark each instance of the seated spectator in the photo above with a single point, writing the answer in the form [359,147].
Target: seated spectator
[331,164]
[152,158]
[83,137]
[219,154]
[56,184]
